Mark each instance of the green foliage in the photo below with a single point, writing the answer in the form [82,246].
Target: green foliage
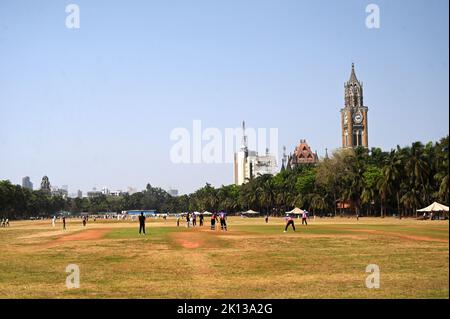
[372,182]
[371,177]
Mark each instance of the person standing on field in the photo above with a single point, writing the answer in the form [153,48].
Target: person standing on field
[194,219]
[289,221]
[213,221]
[267,218]
[223,221]
[64,223]
[141,223]
[304,218]
[187,220]
[201,219]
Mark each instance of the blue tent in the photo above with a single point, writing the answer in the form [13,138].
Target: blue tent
[138,212]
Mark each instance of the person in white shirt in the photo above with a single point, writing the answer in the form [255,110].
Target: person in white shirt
[304,217]
[289,221]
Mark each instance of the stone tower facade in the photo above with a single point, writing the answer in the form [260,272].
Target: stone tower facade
[45,184]
[354,114]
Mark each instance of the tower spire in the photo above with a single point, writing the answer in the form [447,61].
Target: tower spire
[284,159]
[353,78]
[244,137]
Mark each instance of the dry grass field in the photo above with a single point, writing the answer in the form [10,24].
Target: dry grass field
[326,259]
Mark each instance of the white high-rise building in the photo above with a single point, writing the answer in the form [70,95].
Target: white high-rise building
[105,191]
[248,164]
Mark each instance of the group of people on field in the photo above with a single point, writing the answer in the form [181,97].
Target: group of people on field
[4,222]
[84,221]
[191,220]
[290,220]
[221,217]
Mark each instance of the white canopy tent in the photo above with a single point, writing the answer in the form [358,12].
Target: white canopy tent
[435,207]
[207,213]
[296,211]
[250,212]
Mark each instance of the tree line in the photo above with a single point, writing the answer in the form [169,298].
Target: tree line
[351,181]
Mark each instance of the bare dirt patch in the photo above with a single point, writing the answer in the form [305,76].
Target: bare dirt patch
[47,240]
[90,234]
[188,240]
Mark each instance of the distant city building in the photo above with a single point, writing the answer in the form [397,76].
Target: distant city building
[116,193]
[303,155]
[248,164]
[45,185]
[94,193]
[173,192]
[79,194]
[55,191]
[26,183]
[105,191]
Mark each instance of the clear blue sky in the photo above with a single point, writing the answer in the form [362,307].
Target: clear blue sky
[95,106]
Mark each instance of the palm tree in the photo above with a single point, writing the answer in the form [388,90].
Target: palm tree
[443,189]
[411,200]
[367,197]
[384,189]
[266,192]
[318,202]
[392,171]
[418,169]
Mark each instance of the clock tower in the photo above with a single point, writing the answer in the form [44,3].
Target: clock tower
[354,114]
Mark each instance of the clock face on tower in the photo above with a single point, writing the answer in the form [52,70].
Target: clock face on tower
[358,117]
